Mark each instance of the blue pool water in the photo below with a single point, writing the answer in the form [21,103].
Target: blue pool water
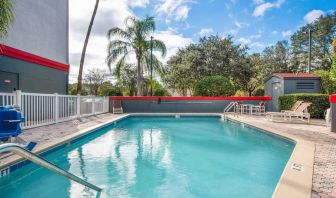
[147,156]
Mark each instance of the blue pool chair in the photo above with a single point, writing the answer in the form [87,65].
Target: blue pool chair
[10,120]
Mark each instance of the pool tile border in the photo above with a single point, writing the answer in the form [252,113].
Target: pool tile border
[292,183]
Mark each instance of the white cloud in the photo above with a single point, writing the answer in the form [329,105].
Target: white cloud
[258,2]
[205,31]
[274,32]
[173,42]
[286,33]
[182,12]
[263,7]
[138,3]
[173,9]
[313,15]
[110,14]
[249,42]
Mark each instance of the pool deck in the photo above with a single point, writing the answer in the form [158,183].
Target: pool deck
[315,145]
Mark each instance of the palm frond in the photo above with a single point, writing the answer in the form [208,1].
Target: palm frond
[118,32]
[6,16]
[114,53]
[160,46]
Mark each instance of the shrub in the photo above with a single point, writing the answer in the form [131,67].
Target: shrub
[160,92]
[320,103]
[327,85]
[260,91]
[214,86]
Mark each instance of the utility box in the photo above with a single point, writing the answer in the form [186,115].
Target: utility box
[279,84]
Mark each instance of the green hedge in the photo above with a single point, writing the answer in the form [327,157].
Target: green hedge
[320,103]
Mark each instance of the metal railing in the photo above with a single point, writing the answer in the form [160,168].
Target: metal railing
[44,109]
[230,106]
[44,163]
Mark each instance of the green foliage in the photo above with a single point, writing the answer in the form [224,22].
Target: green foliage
[327,85]
[323,31]
[6,16]
[214,86]
[211,56]
[333,70]
[260,91]
[107,89]
[320,103]
[72,90]
[135,38]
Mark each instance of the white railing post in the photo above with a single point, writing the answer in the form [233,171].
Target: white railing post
[78,105]
[93,105]
[17,98]
[56,108]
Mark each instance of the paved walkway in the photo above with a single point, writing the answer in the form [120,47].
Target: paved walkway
[324,177]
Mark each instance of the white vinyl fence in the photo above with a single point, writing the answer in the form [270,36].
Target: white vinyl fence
[45,109]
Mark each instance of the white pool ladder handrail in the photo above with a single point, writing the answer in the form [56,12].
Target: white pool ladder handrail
[228,108]
[15,148]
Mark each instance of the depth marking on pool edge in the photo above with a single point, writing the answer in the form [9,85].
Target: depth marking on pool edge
[4,172]
[297,167]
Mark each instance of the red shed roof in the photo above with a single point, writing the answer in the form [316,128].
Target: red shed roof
[296,75]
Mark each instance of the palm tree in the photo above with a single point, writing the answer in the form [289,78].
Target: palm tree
[81,64]
[6,16]
[134,39]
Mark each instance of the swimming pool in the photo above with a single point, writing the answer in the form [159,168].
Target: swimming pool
[162,156]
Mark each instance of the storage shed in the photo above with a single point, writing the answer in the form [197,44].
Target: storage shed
[279,84]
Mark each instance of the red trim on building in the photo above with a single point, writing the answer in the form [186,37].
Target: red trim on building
[332,98]
[25,56]
[191,97]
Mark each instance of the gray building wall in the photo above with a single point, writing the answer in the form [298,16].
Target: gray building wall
[32,77]
[41,28]
[270,91]
[276,86]
[290,86]
[176,106]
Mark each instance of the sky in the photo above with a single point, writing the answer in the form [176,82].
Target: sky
[256,23]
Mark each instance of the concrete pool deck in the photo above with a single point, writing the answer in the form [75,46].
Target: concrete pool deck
[314,138]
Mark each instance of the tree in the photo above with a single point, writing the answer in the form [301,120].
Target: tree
[333,65]
[81,64]
[251,77]
[211,56]
[276,57]
[328,86]
[214,86]
[135,38]
[323,31]
[94,79]
[107,89]
[6,16]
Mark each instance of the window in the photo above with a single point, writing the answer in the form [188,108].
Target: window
[305,85]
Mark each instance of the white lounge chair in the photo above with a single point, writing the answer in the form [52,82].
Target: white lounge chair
[300,112]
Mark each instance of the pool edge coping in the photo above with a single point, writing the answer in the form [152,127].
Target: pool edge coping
[303,153]
[292,183]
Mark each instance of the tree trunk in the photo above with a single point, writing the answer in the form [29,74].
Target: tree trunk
[139,82]
[81,64]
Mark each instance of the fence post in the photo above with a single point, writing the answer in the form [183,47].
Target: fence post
[56,108]
[17,98]
[333,113]
[93,105]
[78,105]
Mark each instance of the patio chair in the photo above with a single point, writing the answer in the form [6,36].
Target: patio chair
[10,120]
[294,107]
[259,109]
[300,112]
[117,108]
